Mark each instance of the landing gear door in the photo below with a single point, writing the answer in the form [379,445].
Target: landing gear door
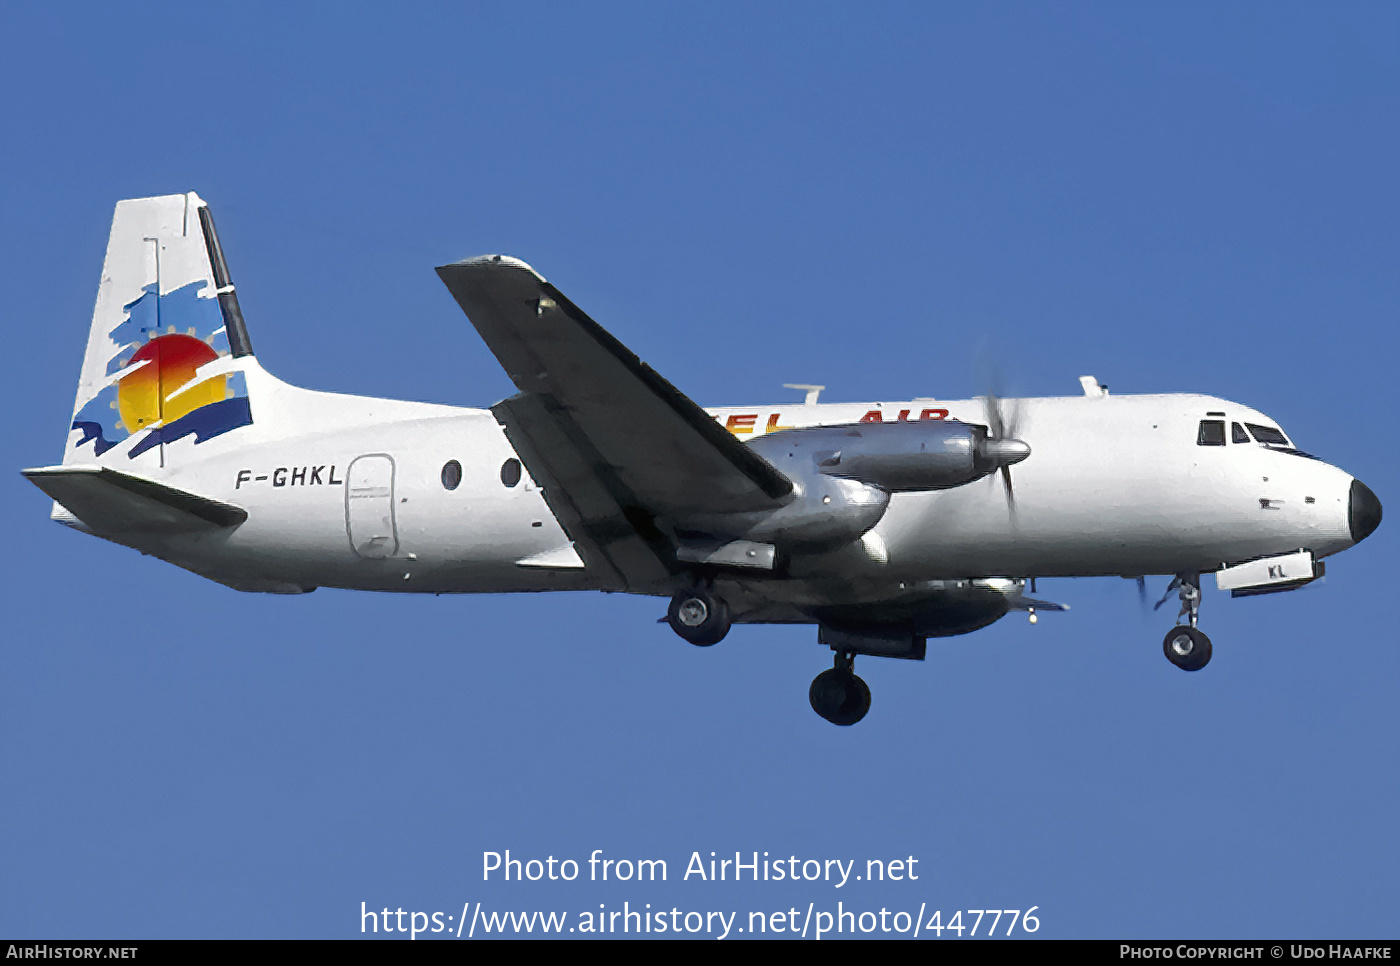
[1271,575]
[369,506]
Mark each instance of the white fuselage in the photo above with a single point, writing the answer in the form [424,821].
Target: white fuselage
[1114,485]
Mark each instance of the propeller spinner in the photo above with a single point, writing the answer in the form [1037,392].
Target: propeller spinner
[1001,447]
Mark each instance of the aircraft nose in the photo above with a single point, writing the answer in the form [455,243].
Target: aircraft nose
[1363,511]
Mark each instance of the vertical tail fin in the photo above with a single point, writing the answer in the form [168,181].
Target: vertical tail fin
[163,370]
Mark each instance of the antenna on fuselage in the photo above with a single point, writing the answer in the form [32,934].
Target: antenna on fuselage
[812,391]
[1092,387]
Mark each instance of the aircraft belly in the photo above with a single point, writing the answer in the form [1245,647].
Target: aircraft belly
[308,546]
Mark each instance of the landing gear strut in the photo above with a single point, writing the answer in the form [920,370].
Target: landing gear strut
[1184,645]
[699,616]
[838,695]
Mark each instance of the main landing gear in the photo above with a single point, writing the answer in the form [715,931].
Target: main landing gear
[838,695]
[699,616]
[1184,645]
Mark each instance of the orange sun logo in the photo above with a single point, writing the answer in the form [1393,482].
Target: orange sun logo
[160,391]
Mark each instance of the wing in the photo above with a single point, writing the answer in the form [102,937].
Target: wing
[625,459]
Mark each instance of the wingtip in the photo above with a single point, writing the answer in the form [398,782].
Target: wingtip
[505,261]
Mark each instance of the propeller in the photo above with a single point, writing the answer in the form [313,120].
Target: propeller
[1001,447]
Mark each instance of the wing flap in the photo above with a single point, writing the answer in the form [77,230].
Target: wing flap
[111,502]
[588,501]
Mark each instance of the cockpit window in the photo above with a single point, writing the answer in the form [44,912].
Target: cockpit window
[1211,433]
[1268,435]
[1237,434]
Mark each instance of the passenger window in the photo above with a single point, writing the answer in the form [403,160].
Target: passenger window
[1211,433]
[510,472]
[1237,434]
[451,475]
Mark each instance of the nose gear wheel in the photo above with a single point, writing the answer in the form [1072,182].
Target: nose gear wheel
[1187,648]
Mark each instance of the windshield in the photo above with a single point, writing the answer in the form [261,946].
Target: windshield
[1268,435]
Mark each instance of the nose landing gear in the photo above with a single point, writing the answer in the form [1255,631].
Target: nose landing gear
[1184,645]
[1187,648]
[838,695]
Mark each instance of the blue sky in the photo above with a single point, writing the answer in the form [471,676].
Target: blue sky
[1183,197]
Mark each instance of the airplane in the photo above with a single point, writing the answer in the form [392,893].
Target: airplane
[882,523]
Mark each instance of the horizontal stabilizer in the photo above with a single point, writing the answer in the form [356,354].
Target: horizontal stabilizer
[111,502]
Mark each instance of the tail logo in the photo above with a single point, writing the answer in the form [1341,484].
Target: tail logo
[179,381]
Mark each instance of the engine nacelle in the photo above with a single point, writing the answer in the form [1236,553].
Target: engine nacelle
[843,476]
[828,512]
[896,457]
